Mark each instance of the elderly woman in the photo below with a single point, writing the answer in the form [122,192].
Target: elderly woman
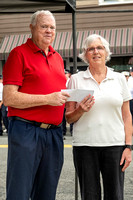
[102,132]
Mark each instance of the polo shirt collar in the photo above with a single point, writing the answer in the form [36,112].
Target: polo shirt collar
[36,49]
[110,74]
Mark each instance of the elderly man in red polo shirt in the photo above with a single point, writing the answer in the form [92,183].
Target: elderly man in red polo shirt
[33,77]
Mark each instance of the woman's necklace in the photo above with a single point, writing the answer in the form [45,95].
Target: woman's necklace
[99,76]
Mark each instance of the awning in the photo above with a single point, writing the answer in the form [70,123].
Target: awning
[30,6]
[120,40]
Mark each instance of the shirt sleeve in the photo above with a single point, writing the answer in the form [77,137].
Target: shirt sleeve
[125,89]
[13,68]
[72,82]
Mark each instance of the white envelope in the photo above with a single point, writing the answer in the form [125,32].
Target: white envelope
[78,94]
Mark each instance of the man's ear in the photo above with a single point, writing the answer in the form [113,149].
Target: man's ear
[31,27]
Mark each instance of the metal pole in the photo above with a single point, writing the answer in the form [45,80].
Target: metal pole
[74,42]
[74,71]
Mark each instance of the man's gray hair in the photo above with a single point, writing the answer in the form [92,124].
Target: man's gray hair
[88,42]
[41,12]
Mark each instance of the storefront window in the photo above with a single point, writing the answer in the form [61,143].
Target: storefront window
[114,1]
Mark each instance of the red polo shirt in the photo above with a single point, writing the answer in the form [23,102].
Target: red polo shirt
[28,67]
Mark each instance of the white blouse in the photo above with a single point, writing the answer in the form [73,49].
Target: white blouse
[102,125]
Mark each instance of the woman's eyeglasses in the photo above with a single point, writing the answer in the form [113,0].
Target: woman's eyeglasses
[98,48]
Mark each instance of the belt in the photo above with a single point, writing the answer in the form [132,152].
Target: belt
[39,124]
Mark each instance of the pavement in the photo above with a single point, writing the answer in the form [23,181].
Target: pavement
[66,188]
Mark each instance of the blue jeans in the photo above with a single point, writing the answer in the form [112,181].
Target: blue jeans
[35,159]
[90,162]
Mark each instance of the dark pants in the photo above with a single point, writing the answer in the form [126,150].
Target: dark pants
[4,116]
[131,108]
[1,130]
[35,159]
[90,162]
[64,128]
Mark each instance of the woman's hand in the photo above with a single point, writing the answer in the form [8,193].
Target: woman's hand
[86,104]
[127,157]
[75,110]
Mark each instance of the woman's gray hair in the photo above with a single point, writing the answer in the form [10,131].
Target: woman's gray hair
[35,15]
[88,42]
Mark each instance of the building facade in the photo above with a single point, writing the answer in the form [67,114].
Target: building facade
[114,21]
